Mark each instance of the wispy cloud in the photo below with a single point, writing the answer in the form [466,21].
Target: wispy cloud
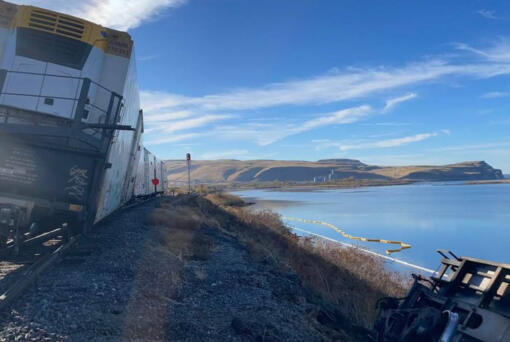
[171,138]
[266,133]
[117,14]
[499,122]
[471,147]
[496,94]
[147,58]
[392,123]
[167,116]
[389,142]
[158,100]
[231,154]
[340,117]
[180,125]
[169,112]
[485,111]
[386,143]
[488,14]
[498,52]
[391,103]
[352,84]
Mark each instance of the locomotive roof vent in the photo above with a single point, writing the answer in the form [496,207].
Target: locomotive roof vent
[56,23]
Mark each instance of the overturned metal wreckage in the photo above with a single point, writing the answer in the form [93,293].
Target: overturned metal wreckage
[467,300]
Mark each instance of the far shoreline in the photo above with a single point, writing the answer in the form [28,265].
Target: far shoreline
[351,185]
[347,184]
[489,181]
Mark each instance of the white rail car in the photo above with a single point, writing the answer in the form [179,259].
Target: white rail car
[149,168]
[70,122]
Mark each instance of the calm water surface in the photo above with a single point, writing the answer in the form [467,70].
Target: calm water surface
[470,220]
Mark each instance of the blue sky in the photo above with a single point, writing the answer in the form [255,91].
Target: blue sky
[386,82]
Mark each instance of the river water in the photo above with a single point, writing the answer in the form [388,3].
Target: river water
[470,220]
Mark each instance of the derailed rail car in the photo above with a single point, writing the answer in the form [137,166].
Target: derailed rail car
[70,121]
[149,168]
[467,300]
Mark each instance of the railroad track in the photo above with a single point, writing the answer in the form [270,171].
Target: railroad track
[39,254]
[19,272]
[30,253]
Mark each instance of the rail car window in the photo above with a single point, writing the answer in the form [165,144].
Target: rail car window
[52,48]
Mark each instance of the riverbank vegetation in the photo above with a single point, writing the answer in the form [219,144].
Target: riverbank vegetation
[345,280]
[345,183]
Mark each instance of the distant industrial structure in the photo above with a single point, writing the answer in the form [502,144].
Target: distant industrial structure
[324,179]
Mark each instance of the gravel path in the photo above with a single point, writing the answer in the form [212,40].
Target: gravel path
[121,285]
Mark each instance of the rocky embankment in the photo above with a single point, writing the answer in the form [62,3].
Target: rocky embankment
[160,271]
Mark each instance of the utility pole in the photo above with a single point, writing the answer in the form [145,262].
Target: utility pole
[188,162]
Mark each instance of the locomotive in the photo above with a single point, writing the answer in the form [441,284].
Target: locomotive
[71,126]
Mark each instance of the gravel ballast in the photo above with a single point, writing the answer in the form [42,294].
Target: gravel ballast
[124,283]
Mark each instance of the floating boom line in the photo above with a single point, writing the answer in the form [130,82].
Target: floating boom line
[367,251]
[402,245]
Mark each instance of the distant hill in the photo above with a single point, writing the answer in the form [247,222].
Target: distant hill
[236,171]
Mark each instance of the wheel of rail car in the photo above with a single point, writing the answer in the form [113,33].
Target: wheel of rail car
[86,226]
[3,246]
[18,234]
[66,233]
[17,240]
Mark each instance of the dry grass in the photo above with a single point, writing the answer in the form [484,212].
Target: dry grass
[226,200]
[346,278]
[179,231]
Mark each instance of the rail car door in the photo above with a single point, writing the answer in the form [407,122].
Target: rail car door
[159,175]
[48,67]
[140,173]
[146,176]
[21,89]
[151,174]
[129,183]
[58,94]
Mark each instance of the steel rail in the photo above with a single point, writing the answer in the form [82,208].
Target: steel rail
[29,275]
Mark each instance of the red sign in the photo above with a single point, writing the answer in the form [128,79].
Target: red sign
[155,181]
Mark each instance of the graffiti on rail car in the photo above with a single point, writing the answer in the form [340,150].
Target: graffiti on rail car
[19,166]
[39,172]
[77,183]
